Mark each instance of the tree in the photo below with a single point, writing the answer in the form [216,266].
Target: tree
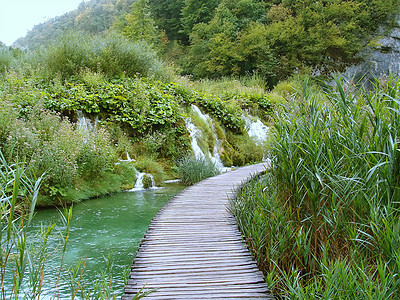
[139,23]
[257,57]
[196,12]
[218,48]
[168,17]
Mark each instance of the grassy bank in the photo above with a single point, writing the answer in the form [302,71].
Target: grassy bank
[323,222]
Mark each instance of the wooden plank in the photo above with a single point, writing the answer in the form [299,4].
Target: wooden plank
[194,264]
[183,288]
[193,249]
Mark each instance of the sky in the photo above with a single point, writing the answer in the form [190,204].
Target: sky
[17,17]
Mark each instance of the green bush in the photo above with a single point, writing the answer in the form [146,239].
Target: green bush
[192,170]
[51,145]
[6,59]
[96,155]
[111,55]
[243,150]
[142,105]
[7,115]
[151,166]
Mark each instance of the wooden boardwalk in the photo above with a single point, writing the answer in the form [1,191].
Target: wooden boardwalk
[193,249]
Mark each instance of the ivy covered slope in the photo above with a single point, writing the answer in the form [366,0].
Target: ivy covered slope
[43,102]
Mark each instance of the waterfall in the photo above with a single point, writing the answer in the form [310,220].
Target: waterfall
[256,129]
[194,132]
[85,126]
[205,118]
[215,157]
[128,158]
[141,183]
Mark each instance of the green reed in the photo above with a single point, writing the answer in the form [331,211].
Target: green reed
[325,219]
[193,169]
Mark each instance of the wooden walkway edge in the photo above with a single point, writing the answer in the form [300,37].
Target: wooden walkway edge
[194,250]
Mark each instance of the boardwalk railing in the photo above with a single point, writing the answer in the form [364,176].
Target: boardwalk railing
[193,249]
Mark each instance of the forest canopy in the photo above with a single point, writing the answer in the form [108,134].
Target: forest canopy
[217,38]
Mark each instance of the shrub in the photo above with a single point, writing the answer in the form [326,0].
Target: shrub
[111,55]
[192,170]
[243,149]
[96,155]
[151,166]
[6,59]
[7,116]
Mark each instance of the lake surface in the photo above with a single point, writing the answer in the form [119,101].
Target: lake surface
[114,224]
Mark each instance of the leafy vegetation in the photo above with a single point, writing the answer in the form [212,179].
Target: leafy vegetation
[111,55]
[323,222]
[195,169]
[83,103]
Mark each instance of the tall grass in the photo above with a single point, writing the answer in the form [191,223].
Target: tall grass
[324,222]
[15,260]
[193,169]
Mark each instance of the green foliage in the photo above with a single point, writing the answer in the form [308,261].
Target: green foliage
[167,14]
[229,113]
[231,43]
[139,23]
[217,38]
[127,175]
[280,39]
[192,169]
[143,117]
[6,59]
[326,215]
[147,106]
[151,166]
[141,104]
[195,12]
[112,55]
[51,145]
[242,150]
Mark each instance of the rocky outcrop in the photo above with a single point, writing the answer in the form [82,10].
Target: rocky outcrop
[380,59]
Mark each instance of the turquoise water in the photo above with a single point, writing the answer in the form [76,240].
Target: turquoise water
[113,224]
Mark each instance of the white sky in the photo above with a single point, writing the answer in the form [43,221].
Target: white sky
[17,17]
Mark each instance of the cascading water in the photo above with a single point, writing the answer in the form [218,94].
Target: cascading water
[85,126]
[128,158]
[140,182]
[205,118]
[194,132]
[256,129]
[215,157]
